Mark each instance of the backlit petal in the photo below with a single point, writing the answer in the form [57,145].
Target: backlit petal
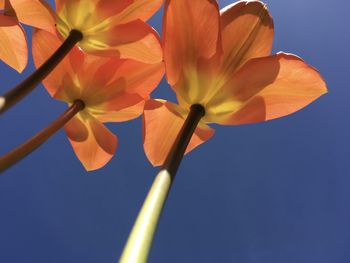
[268,88]
[13,43]
[122,11]
[36,13]
[92,142]
[161,123]
[191,41]
[110,84]
[247,32]
[125,75]
[112,28]
[115,89]
[141,78]
[133,76]
[134,40]
[44,44]
[112,108]
[129,10]
[124,114]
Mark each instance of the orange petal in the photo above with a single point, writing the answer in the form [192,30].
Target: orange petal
[247,32]
[138,77]
[109,77]
[2,4]
[111,108]
[13,43]
[112,28]
[129,10]
[124,114]
[134,40]
[43,46]
[271,87]
[108,86]
[36,13]
[162,122]
[92,142]
[141,78]
[191,35]
[124,11]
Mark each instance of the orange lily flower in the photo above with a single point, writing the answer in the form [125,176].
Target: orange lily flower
[111,89]
[221,60]
[113,28]
[220,67]
[109,28]
[13,43]
[99,27]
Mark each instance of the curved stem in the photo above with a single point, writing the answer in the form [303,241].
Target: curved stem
[29,146]
[13,96]
[140,239]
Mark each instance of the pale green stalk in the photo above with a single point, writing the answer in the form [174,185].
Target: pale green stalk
[139,243]
[140,239]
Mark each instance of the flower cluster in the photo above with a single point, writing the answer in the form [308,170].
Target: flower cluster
[218,59]
[112,70]
[103,60]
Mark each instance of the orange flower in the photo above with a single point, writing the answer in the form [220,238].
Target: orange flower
[113,28]
[221,60]
[13,44]
[109,28]
[112,90]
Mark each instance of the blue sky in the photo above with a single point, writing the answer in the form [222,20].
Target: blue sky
[262,193]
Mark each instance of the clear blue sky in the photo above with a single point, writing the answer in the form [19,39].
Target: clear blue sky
[264,193]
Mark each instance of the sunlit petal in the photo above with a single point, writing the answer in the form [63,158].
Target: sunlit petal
[161,123]
[112,28]
[92,142]
[134,40]
[129,10]
[141,78]
[191,40]
[110,76]
[13,43]
[268,88]
[247,32]
[113,105]
[36,13]
[120,94]
[44,44]
[133,76]
[121,11]
[124,114]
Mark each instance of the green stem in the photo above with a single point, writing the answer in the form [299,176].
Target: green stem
[13,96]
[140,239]
[29,146]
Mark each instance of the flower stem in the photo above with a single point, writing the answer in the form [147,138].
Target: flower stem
[29,146]
[140,239]
[17,93]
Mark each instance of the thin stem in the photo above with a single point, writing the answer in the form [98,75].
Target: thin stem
[13,96]
[30,145]
[178,149]
[140,239]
